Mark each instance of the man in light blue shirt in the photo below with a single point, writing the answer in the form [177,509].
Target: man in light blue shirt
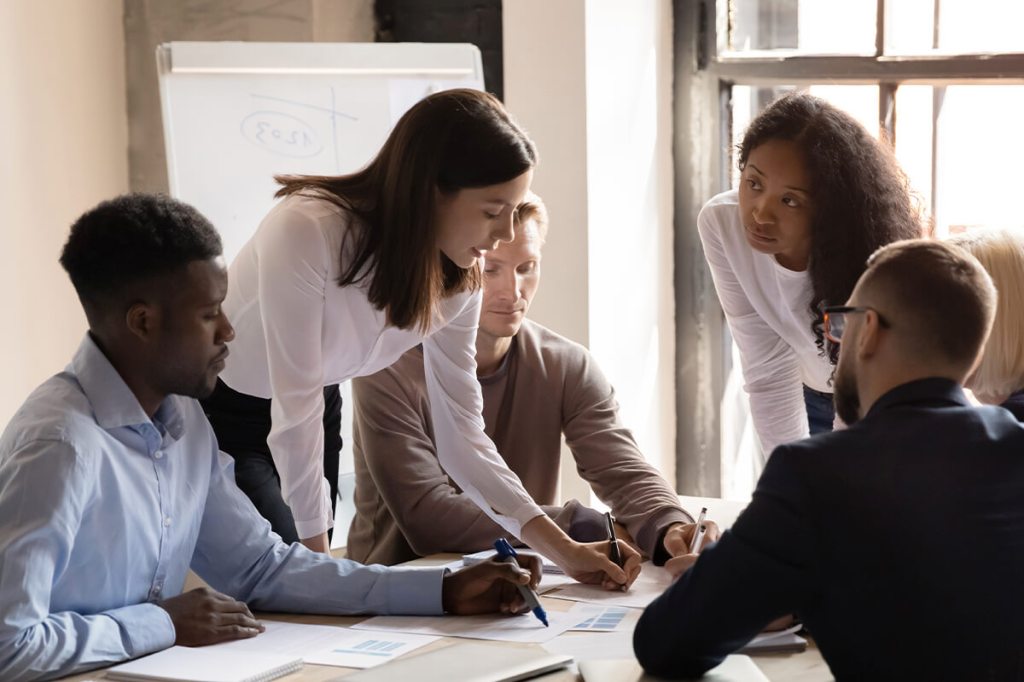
[112,486]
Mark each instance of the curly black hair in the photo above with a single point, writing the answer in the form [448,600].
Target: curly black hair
[130,238]
[862,198]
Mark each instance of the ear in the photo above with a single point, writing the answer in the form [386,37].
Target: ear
[142,319]
[870,337]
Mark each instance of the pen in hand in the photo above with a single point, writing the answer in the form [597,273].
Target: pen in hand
[507,554]
[698,538]
[613,544]
[694,545]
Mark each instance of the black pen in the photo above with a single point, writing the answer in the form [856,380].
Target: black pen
[613,545]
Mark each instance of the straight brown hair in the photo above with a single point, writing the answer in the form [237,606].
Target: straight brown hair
[448,141]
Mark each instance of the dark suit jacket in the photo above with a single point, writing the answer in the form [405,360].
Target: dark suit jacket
[1015,404]
[899,542]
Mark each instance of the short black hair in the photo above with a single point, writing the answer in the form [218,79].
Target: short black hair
[133,237]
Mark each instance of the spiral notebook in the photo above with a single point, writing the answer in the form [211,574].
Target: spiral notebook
[186,664]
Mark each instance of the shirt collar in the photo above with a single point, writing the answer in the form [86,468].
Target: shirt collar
[112,401]
[502,369]
[934,391]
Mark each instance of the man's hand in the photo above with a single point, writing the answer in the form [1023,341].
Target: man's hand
[318,543]
[677,543]
[204,616]
[489,587]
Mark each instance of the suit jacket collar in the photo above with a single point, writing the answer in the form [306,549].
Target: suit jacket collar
[933,392]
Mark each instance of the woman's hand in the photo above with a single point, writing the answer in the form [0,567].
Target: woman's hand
[586,562]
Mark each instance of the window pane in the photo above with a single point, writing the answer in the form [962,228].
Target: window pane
[860,101]
[970,26]
[972,147]
[802,26]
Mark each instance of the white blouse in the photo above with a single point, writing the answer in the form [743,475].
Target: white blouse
[298,331]
[766,307]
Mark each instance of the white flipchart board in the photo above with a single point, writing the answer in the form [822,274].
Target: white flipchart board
[235,114]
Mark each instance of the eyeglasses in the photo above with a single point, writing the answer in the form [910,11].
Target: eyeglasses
[835,320]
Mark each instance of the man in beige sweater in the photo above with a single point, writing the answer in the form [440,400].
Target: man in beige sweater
[536,387]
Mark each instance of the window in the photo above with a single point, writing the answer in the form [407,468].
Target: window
[942,79]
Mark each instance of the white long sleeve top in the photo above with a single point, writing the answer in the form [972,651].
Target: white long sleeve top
[766,307]
[298,331]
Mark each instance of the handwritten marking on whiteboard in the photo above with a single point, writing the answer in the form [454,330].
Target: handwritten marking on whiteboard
[281,133]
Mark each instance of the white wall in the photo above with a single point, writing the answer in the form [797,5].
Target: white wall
[63,132]
[591,82]
[545,90]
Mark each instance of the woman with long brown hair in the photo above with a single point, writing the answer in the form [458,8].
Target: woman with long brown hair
[345,275]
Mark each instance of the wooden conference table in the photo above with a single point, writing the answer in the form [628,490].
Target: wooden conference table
[807,666]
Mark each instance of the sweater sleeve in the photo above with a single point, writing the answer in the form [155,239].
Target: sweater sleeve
[771,370]
[292,275]
[456,408]
[608,458]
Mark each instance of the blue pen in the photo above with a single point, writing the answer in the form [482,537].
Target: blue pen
[506,553]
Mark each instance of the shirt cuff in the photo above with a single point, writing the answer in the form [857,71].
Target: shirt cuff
[587,525]
[652,534]
[320,521]
[415,591]
[525,513]
[146,628]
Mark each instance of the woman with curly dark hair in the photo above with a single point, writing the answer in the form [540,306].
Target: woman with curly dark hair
[818,194]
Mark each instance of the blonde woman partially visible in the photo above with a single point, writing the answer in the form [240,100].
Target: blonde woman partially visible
[999,378]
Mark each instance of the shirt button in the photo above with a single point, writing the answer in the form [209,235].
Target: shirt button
[167,521]
[158,454]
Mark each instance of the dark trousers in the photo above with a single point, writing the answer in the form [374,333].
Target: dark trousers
[242,424]
[821,411]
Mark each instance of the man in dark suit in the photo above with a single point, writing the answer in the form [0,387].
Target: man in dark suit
[899,541]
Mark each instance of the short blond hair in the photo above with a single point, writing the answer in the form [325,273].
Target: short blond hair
[533,208]
[1001,370]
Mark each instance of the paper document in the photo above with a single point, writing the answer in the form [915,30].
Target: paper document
[547,565]
[554,581]
[779,641]
[596,644]
[205,664]
[522,628]
[326,645]
[597,618]
[649,585]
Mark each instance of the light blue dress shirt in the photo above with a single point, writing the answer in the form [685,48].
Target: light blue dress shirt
[103,510]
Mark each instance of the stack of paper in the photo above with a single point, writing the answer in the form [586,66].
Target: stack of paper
[778,642]
[205,664]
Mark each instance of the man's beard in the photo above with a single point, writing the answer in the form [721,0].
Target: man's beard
[846,397]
